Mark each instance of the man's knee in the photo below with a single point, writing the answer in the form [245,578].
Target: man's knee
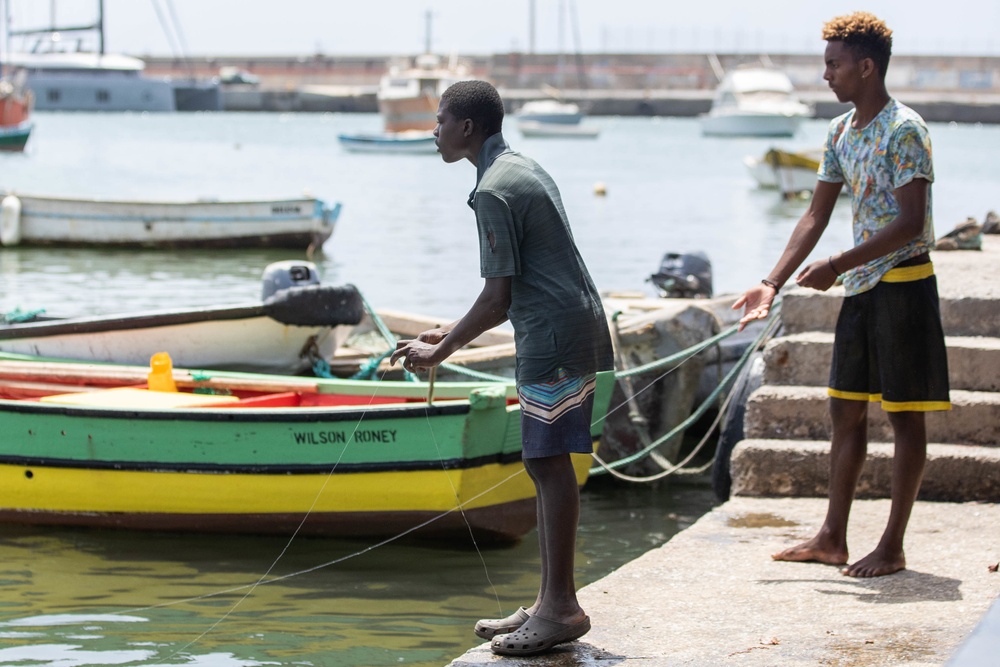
[848,414]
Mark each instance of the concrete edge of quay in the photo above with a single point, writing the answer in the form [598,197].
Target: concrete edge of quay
[713,596]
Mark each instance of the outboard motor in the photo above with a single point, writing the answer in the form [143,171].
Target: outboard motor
[290,273]
[684,276]
[292,295]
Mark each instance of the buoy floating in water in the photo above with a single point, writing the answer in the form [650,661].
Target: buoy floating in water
[600,189]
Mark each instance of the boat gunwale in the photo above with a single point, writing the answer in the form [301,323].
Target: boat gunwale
[234,414]
[57,326]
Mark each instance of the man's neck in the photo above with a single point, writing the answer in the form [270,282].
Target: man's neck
[869,105]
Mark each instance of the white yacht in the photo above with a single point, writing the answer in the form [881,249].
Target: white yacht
[755,101]
[75,75]
[92,82]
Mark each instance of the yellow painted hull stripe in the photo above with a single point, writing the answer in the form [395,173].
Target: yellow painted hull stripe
[88,490]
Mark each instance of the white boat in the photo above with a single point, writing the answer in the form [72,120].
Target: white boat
[534,128]
[755,101]
[408,94]
[297,322]
[303,223]
[413,141]
[550,111]
[790,172]
[69,75]
[92,82]
[552,118]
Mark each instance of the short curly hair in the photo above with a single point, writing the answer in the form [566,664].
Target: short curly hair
[866,35]
[477,100]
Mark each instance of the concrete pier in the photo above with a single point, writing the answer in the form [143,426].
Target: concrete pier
[713,596]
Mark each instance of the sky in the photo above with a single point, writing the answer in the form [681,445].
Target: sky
[398,27]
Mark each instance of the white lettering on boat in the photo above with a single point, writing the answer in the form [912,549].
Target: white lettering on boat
[385,435]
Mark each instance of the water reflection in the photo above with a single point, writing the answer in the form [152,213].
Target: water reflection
[102,597]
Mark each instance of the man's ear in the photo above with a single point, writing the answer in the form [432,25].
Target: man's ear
[868,68]
[468,127]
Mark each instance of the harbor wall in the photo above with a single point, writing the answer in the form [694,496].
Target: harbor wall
[942,88]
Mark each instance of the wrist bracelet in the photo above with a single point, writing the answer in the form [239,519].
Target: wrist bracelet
[770,283]
[829,260]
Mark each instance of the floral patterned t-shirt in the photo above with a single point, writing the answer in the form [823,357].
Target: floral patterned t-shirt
[872,162]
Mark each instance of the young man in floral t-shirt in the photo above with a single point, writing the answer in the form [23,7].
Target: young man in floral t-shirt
[889,344]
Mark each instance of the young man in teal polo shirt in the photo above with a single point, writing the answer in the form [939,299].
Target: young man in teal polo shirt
[535,277]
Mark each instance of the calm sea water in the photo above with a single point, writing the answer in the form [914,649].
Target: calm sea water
[406,238]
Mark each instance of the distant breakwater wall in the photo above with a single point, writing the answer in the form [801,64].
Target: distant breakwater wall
[942,88]
[679,103]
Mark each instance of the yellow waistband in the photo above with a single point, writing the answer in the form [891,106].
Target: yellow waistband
[907,274]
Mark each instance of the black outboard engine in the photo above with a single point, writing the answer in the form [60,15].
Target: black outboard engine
[292,295]
[290,273]
[684,276]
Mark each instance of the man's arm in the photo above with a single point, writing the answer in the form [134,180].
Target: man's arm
[758,299]
[489,310]
[908,225]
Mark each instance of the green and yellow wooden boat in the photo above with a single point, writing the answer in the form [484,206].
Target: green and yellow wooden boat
[94,445]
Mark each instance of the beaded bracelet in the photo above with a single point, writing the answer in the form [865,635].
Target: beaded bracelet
[770,283]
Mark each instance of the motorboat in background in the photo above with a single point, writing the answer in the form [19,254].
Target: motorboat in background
[553,118]
[550,111]
[303,223]
[534,128]
[408,94]
[755,101]
[297,322]
[78,75]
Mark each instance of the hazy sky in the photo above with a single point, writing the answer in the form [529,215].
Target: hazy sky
[292,27]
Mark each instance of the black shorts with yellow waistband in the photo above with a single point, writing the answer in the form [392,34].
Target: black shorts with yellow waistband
[889,344]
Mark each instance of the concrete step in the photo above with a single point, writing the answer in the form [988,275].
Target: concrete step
[968,286]
[960,473]
[804,359]
[801,413]
[809,310]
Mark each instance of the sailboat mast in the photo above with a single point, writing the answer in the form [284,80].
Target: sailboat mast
[100,26]
[531,26]
[427,33]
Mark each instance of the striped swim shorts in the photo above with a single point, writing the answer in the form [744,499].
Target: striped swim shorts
[555,416]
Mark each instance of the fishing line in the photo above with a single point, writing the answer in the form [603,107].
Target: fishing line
[335,561]
[460,507]
[293,536]
[262,580]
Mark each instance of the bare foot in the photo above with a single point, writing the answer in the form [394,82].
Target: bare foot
[816,550]
[877,564]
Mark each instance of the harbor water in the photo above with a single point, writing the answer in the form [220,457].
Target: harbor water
[406,239]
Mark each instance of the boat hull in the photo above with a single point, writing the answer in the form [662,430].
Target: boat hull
[13,139]
[239,338]
[350,461]
[293,223]
[404,142]
[749,125]
[409,114]
[530,128]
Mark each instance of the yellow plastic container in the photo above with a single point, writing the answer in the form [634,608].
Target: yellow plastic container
[161,373]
